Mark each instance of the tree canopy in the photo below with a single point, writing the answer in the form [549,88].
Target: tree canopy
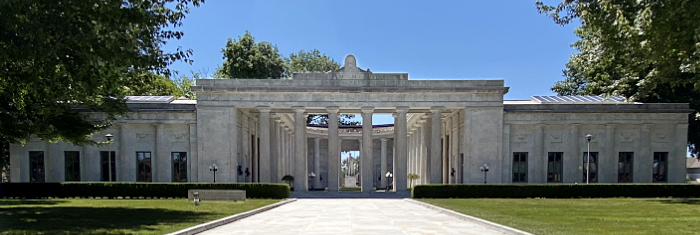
[244,58]
[647,51]
[58,54]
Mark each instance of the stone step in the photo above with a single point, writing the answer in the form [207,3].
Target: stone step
[349,195]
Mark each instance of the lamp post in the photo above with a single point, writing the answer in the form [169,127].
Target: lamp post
[484,169]
[109,156]
[588,157]
[389,175]
[214,168]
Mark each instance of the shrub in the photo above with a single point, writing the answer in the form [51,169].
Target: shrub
[134,190]
[555,190]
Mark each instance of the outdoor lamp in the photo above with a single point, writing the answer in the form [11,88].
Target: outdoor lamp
[389,175]
[452,172]
[214,168]
[109,137]
[312,175]
[588,157]
[484,169]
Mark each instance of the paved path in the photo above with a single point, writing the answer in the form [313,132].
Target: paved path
[351,216]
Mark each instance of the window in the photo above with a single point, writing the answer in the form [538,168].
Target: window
[179,166]
[72,162]
[143,161]
[660,167]
[593,176]
[36,166]
[109,165]
[624,167]
[554,167]
[519,167]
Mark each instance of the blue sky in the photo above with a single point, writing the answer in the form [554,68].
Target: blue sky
[446,39]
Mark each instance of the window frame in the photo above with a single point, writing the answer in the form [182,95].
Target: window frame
[522,177]
[148,175]
[36,160]
[554,167]
[110,158]
[181,164]
[654,172]
[593,178]
[71,168]
[622,175]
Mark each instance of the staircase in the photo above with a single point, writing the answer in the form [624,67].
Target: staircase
[373,194]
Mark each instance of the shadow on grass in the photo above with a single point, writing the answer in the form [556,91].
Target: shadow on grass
[85,220]
[12,202]
[688,201]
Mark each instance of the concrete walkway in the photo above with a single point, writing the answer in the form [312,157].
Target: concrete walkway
[351,216]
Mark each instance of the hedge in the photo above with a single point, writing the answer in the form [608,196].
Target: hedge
[556,191]
[134,190]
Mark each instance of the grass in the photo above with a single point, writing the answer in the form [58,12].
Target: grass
[584,216]
[103,216]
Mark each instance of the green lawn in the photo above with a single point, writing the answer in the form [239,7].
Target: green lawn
[103,216]
[584,216]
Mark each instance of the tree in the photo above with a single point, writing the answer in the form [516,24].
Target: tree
[58,54]
[410,178]
[313,61]
[244,58]
[647,51]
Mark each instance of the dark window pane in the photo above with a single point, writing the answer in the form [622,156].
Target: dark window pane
[72,165]
[624,167]
[36,166]
[660,167]
[179,166]
[143,160]
[593,175]
[554,167]
[520,167]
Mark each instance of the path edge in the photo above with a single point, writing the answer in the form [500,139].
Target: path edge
[216,223]
[485,223]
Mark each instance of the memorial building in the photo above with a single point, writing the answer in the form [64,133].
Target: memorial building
[445,131]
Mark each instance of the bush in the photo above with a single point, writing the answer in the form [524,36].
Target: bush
[134,190]
[555,191]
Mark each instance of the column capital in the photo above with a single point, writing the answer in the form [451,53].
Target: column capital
[610,126]
[277,119]
[333,109]
[299,109]
[158,125]
[395,115]
[384,140]
[402,109]
[436,109]
[317,140]
[264,109]
[367,109]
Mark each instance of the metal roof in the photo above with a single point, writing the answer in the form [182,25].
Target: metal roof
[579,99]
[149,99]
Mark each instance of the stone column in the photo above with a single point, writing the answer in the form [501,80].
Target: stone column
[424,140]
[192,166]
[317,163]
[123,158]
[507,156]
[233,145]
[160,159]
[301,182]
[435,147]
[466,148]
[573,160]
[264,134]
[677,156]
[607,162]
[401,150]
[382,161]
[274,151]
[333,149]
[537,163]
[367,161]
[643,163]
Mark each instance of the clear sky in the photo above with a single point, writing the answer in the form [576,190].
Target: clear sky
[446,39]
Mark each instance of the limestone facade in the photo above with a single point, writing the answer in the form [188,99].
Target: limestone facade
[254,130]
